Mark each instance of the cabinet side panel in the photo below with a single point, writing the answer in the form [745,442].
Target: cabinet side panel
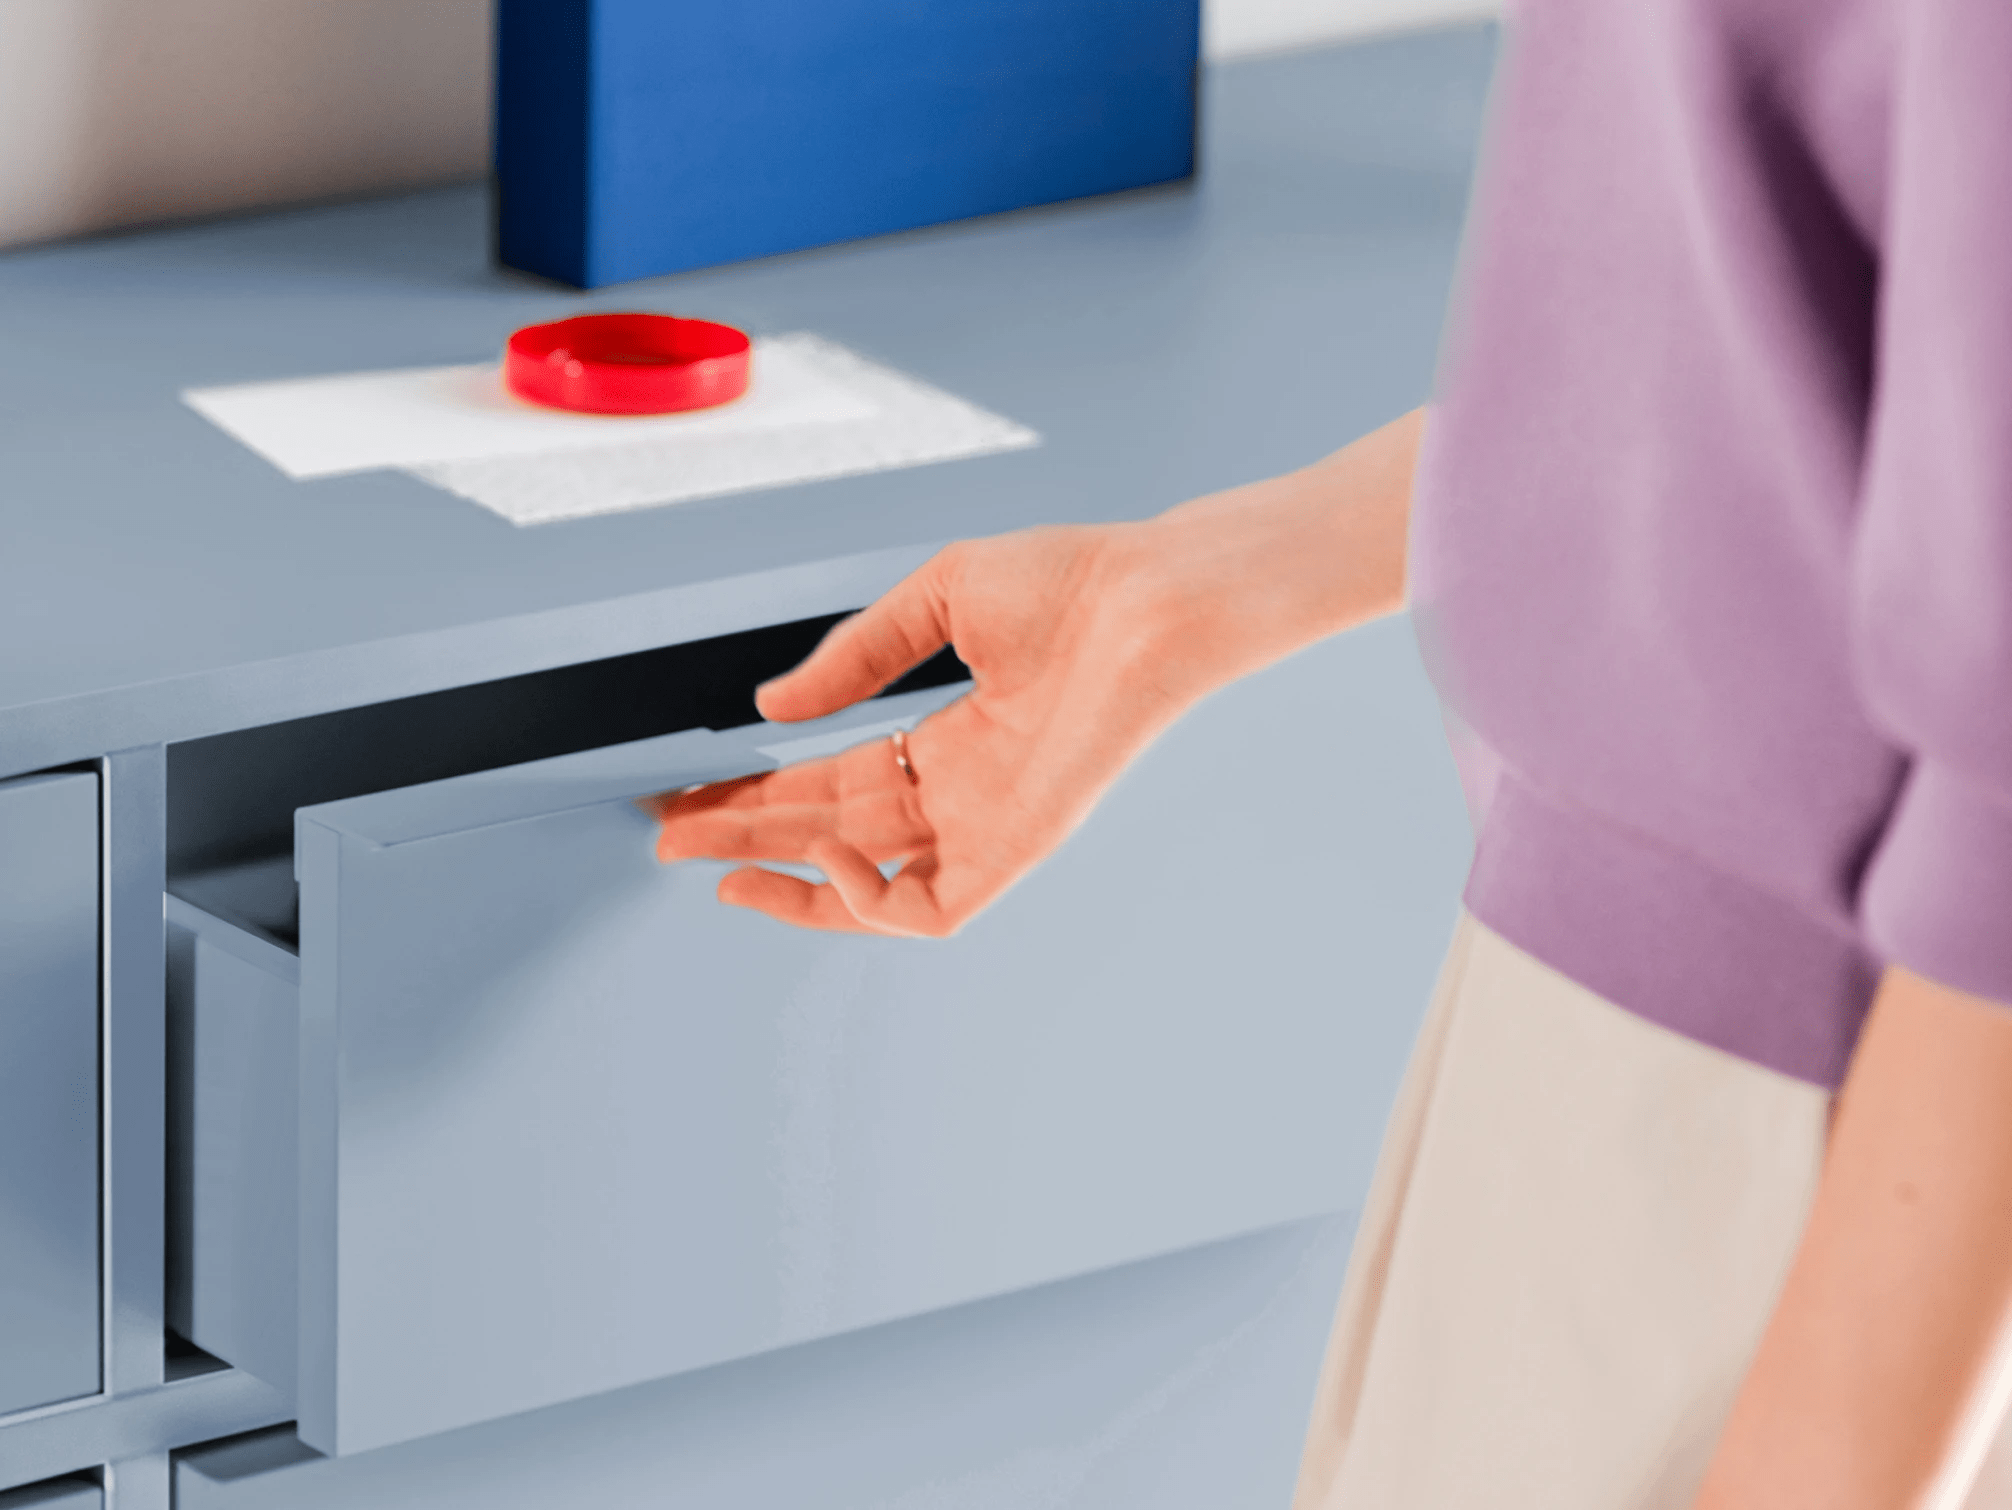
[136,1078]
[49,1296]
[317,863]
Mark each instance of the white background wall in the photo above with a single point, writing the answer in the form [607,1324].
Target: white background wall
[1245,28]
[121,112]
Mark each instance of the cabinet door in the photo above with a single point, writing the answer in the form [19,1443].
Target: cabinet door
[567,1124]
[48,1089]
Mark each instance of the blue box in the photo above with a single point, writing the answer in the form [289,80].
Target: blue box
[639,137]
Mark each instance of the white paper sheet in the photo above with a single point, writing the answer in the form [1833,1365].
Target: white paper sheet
[813,410]
[361,421]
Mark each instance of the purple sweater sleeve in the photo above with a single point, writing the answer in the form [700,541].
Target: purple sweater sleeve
[1932,567]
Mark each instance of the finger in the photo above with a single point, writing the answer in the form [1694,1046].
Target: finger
[864,653]
[683,801]
[853,798]
[912,906]
[865,892]
[722,834]
[810,782]
[857,769]
[789,900]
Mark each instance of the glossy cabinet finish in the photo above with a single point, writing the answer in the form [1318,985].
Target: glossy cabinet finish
[49,1305]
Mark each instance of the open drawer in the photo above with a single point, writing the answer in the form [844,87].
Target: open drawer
[527,1116]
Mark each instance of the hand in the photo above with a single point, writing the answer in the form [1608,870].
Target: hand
[1063,695]
[1084,643]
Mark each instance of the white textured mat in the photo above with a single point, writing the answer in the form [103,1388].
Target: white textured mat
[908,423]
[814,410]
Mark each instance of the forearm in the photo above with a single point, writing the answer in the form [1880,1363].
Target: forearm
[1239,579]
[1880,1355]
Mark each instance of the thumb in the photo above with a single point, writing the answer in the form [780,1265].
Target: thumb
[864,653]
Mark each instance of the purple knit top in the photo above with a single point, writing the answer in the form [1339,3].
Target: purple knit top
[1712,550]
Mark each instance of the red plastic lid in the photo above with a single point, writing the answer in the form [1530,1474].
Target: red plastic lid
[628,364]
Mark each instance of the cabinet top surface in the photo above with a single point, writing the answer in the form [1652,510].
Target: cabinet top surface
[160,581]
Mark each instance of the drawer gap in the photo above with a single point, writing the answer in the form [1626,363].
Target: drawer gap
[231,797]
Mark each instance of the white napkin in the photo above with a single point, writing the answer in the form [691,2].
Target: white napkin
[813,410]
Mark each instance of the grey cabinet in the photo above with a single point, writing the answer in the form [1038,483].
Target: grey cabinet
[49,1326]
[526,1117]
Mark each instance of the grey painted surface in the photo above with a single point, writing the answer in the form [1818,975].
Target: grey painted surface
[543,1078]
[1164,343]
[55,1494]
[1177,1385]
[49,1314]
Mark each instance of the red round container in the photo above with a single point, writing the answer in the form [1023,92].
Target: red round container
[627,364]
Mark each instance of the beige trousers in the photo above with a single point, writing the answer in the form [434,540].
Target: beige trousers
[1576,1233]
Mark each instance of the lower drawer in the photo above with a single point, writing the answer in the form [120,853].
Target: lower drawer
[527,1116]
[1178,1384]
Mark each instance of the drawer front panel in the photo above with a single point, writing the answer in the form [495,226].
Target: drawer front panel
[567,1124]
[49,1313]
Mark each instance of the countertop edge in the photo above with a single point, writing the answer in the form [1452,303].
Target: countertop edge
[37,736]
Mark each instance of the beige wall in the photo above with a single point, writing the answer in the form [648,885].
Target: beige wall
[122,112]
[117,112]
